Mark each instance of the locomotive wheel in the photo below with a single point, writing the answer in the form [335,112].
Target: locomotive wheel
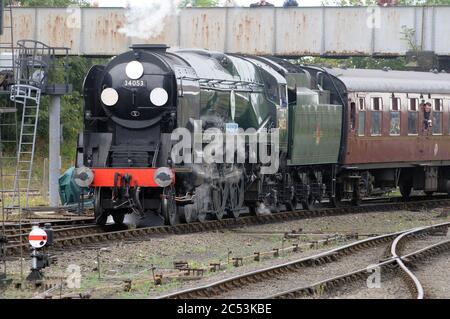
[309,203]
[291,204]
[356,196]
[118,217]
[202,217]
[203,196]
[219,196]
[336,201]
[356,200]
[169,206]
[187,213]
[405,189]
[100,214]
[237,197]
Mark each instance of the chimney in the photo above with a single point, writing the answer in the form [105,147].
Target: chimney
[157,48]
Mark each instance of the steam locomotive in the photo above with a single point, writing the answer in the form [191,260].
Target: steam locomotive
[341,134]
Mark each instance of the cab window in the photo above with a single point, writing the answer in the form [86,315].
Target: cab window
[283,96]
[272,88]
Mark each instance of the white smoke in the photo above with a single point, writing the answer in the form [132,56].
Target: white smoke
[147,19]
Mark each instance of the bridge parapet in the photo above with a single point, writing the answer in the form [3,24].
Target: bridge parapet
[288,32]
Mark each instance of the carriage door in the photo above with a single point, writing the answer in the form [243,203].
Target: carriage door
[357,115]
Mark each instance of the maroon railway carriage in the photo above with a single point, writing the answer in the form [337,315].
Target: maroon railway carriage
[392,137]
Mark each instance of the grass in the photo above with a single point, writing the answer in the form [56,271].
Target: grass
[114,287]
[33,201]
[37,182]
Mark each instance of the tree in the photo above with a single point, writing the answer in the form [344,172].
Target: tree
[400,2]
[424,2]
[198,3]
[71,109]
[53,3]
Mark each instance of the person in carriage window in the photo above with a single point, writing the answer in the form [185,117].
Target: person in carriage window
[426,108]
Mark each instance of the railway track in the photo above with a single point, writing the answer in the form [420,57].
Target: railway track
[395,263]
[98,235]
[62,232]
[25,227]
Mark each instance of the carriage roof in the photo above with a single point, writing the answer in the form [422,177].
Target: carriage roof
[362,80]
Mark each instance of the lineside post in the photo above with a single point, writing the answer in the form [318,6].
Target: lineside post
[54,149]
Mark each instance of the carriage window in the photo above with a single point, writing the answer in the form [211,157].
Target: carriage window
[437,117]
[395,116]
[413,117]
[396,104]
[395,123]
[377,104]
[362,104]
[413,104]
[438,105]
[361,123]
[377,107]
[376,123]
[362,117]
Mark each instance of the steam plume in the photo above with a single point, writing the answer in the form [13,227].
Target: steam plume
[147,19]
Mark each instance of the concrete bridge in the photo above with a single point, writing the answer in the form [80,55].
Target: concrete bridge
[293,32]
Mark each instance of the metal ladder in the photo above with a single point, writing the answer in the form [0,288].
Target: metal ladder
[31,78]
[29,97]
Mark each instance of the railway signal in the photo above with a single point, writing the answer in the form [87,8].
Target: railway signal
[39,239]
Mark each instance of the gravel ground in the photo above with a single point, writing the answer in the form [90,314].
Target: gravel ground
[414,245]
[434,274]
[134,260]
[391,287]
[310,275]
[432,271]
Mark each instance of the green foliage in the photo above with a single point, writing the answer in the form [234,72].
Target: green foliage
[78,69]
[374,2]
[408,35]
[198,3]
[357,62]
[424,2]
[356,2]
[53,3]
[71,108]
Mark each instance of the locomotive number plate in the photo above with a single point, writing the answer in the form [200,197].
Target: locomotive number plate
[134,83]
